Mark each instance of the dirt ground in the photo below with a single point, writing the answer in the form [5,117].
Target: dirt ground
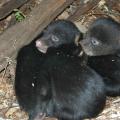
[9,108]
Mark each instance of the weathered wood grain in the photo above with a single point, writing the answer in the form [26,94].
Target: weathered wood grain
[7,6]
[83,9]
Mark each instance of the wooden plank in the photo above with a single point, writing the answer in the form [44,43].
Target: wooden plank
[22,33]
[7,6]
[83,9]
[113,4]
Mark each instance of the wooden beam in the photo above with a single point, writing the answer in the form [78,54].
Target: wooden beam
[83,9]
[24,32]
[8,6]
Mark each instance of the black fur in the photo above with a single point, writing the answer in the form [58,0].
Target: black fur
[56,82]
[108,67]
[77,90]
[102,43]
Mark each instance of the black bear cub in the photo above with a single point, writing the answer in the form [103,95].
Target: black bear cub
[52,80]
[102,44]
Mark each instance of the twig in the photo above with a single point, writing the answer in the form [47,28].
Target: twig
[5,71]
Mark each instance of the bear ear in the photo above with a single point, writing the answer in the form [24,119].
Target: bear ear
[54,38]
[77,39]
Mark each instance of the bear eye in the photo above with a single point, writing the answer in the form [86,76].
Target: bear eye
[95,42]
[55,38]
